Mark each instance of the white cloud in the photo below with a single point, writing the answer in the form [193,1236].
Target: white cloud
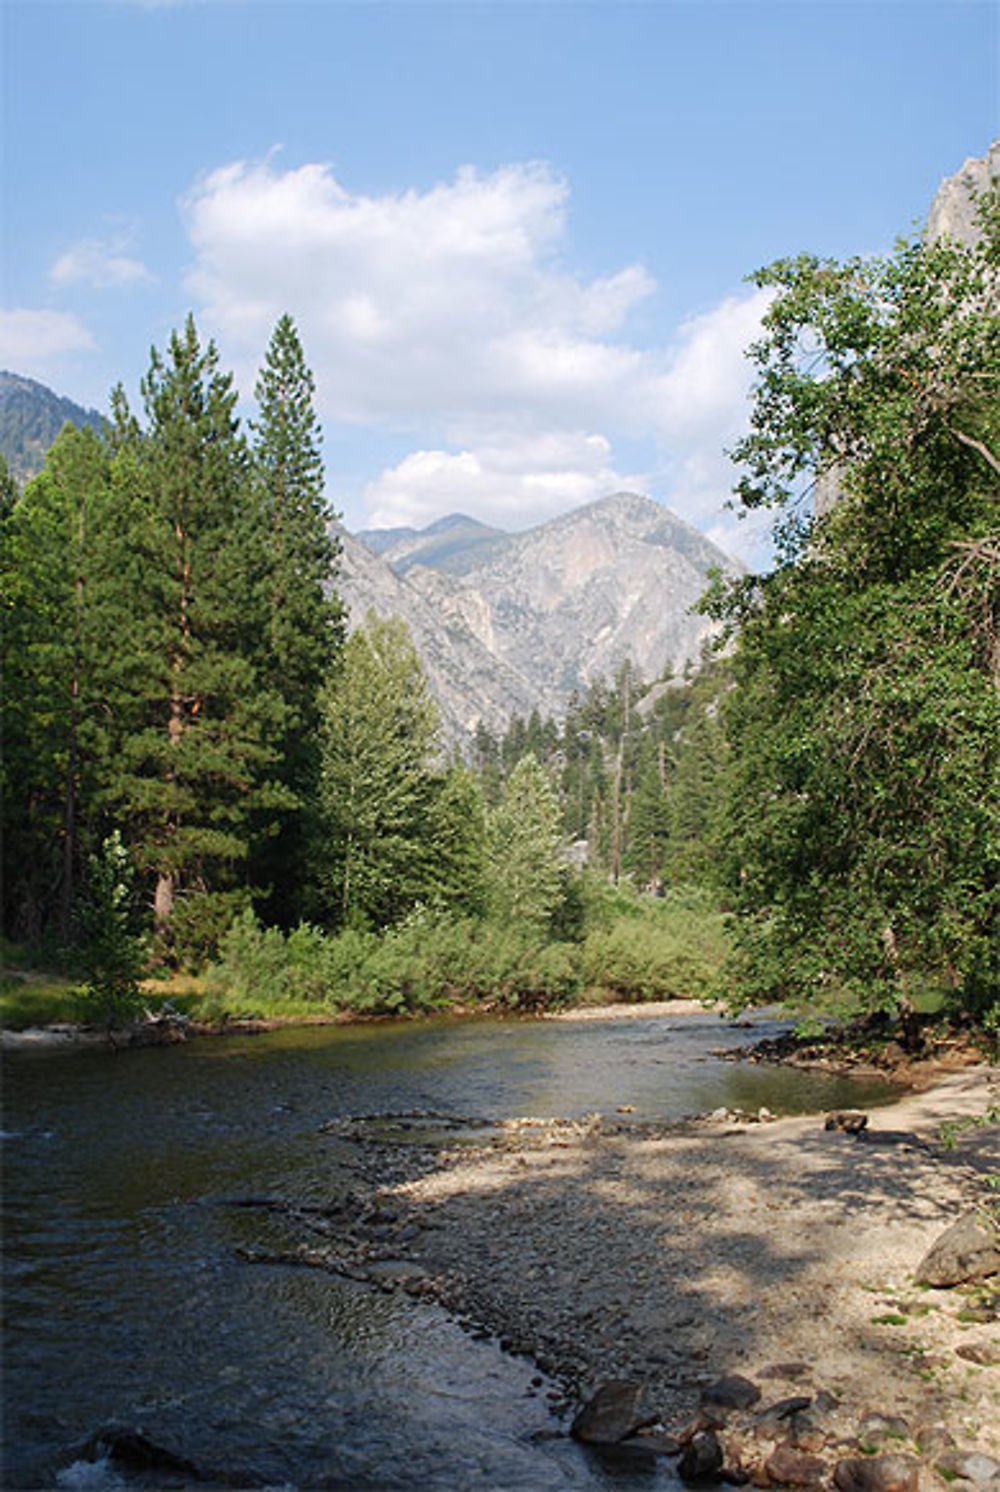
[104,264]
[444,305]
[508,483]
[30,340]
[454,314]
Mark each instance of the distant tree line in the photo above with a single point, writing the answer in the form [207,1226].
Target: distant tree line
[636,769]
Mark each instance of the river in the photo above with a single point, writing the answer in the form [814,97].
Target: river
[126,1302]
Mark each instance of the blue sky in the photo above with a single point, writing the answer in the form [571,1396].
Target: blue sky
[514,236]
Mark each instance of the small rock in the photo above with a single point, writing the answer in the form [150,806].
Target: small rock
[877,1474]
[791,1370]
[702,1458]
[806,1434]
[934,1438]
[971,1466]
[612,1414]
[789,1467]
[884,1427]
[732,1392]
[652,1444]
[985,1352]
[849,1120]
[968,1250]
[784,1407]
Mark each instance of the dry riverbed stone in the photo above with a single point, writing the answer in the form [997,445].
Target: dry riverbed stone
[611,1414]
[731,1392]
[967,1251]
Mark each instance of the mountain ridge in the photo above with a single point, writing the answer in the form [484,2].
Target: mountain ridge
[553,606]
[31,416]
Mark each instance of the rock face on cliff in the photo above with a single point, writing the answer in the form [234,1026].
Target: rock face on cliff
[508,622]
[953,211]
[470,683]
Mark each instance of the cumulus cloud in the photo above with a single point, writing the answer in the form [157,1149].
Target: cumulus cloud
[30,340]
[507,482]
[454,314]
[440,305]
[103,264]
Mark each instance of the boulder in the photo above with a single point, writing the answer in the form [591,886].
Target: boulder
[731,1392]
[702,1457]
[894,1473]
[970,1466]
[848,1120]
[788,1467]
[610,1415]
[984,1350]
[969,1250]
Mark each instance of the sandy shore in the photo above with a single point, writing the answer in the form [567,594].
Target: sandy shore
[777,1250]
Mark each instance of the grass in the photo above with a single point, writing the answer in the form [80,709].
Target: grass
[48,998]
[35,1000]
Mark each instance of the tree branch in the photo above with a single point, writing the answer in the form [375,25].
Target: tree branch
[978,446]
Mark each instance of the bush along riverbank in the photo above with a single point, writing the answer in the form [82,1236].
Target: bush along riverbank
[619,946]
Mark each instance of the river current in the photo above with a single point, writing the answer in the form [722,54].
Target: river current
[126,1302]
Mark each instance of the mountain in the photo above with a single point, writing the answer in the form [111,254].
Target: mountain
[31,417]
[953,211]
[471,684]
[441,545]
[505,623]
[510,622]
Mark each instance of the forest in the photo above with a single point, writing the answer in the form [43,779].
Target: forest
[203,772]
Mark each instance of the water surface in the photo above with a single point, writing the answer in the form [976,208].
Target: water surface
[126,1302]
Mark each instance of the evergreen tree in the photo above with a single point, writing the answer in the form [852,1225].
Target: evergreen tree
[55,696]
[301,622]
[194,748]
[526,861]
[378,784]
[649,815]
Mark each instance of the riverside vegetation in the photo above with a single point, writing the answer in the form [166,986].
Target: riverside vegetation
[200,763]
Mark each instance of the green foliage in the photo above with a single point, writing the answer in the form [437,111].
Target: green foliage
[658,948]
[115,952]
[300,623]
[167,629]
[858,833]
[638,948]
[526,862]
[57,687]
[397,831]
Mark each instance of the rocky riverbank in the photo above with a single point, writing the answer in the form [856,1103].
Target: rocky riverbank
[670,1257]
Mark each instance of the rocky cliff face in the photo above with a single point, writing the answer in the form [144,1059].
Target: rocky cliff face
[953,211]
[509,622]
[471,684]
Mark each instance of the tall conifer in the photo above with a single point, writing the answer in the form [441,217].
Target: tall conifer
[195,753]
[55,696]
[301,621]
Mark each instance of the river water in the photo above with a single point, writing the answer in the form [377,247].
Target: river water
[126,1302]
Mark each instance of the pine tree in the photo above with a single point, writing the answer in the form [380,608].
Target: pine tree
[194,748]
[378,782]
[301,622]
[56,694]
[525,849]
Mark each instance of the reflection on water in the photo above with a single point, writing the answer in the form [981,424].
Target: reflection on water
[125,1300]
